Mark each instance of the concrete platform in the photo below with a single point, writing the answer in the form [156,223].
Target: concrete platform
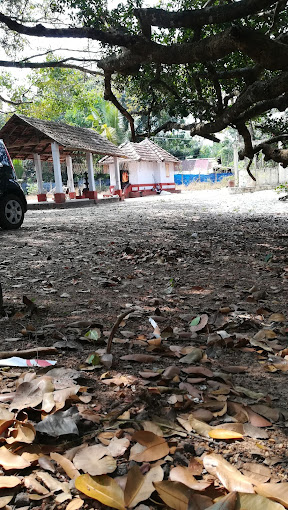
[70,204]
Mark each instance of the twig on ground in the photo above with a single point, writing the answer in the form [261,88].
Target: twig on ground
[115,327]
[26,353]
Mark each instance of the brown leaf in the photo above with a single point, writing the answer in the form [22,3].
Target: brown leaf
[268,412]
[75,504]
[276,491]
[140,358]
[228,475]
[21,433]
[277,317]
[233,369]
[10,461]
[256,502]
[155,447]
[226,503]
[30,394]
[66,465]
[8,482]
[199,502]
[94,460]
[139,487]
[191,424]
[174,494]
[257,473]
[184,475]
[198,370]
[30,482]
[203,415]
[117,446]
[256,420]
[201,324]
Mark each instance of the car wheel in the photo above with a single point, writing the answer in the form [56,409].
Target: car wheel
[11,212]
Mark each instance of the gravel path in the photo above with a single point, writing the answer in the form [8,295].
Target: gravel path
[185,205]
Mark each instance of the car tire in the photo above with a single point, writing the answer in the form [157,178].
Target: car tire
[11,212]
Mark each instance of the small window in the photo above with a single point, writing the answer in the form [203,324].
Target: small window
[167,168]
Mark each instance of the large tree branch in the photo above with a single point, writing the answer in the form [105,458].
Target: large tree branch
[23,64]
[118,37]
[258,91]
[109,96]
[277,155]
[268,53]
[201,17]
[280,103]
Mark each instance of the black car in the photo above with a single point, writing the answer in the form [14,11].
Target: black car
[13,203]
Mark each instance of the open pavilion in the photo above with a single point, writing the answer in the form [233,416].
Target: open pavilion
[42,140]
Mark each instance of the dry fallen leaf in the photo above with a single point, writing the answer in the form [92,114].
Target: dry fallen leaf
[103,488]
[256,502]
[184,475]
[117,446]
[228,475]
[66,465]
[226,503]
[75,504]
[224,434]
[155,447]
[8,482]
[257,473]
[174,494]
[94,460]
[191,424]
[276,491]
[139,487]
[10,461]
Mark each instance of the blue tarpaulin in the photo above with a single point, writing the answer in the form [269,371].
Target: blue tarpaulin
[188,178]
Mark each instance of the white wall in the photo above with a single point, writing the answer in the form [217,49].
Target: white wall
[145,172]
[264,177]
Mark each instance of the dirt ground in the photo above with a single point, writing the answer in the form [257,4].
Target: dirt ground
[210,255]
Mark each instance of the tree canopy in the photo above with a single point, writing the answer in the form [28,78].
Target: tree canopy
[197,65]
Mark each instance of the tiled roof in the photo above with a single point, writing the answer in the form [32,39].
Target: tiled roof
[143,151]
[24,136]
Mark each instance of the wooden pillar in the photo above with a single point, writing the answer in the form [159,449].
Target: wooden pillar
[70,182]
[92,193]
[59,196]
[41,195]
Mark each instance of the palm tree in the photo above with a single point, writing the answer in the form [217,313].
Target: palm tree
[106,120]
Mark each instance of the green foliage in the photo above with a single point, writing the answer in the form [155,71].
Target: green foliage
[19,168]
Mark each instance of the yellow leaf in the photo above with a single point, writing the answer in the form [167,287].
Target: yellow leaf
[174,494]
[66,465]
[228,475]
[103,488]
[276,491]
[139,487]
[224,434]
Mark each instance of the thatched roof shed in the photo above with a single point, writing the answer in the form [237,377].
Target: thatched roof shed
[25,136]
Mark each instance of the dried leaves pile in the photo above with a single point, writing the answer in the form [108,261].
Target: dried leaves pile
[60,449]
